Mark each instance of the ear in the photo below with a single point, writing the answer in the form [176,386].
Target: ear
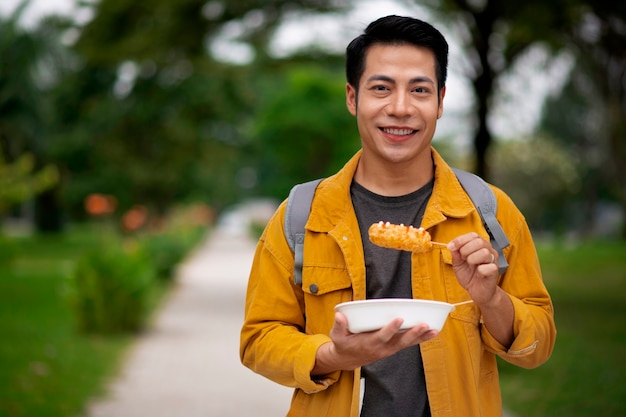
[441,96]
[351,98]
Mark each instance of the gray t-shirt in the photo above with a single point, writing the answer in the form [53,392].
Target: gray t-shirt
[394,386]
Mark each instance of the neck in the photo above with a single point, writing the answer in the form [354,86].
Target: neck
[396,179]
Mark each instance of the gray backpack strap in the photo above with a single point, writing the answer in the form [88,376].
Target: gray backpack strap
[296,216]
[485,201]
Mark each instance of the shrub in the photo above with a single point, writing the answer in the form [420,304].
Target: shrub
[166,250]
[110,290]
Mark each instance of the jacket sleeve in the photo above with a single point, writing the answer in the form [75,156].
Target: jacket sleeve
[534,328]
[273,342]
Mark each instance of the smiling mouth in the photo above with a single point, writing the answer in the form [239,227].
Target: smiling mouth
[398,132]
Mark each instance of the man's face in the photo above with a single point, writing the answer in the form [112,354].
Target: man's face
[397,105]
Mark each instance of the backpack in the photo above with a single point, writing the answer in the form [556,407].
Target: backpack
[301,197]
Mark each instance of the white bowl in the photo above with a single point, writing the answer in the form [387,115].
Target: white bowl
[368,315]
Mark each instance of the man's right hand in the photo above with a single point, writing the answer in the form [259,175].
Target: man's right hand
[349,351]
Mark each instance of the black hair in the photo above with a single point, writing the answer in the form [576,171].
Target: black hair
[397,30]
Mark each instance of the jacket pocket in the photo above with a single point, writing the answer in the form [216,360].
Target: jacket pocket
[320,280]
[324,288]
[467,313]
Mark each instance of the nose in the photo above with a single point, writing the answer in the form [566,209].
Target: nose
[400,105]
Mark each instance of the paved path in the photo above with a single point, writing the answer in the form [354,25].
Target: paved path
[188,364]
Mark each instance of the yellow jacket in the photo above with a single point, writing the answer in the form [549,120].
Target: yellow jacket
[285,324]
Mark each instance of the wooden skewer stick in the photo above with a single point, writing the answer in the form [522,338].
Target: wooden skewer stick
[439,243]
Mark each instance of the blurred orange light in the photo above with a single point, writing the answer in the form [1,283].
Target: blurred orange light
[100,204]
[134,218]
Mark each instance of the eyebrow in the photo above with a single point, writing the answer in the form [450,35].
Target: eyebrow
[414,80]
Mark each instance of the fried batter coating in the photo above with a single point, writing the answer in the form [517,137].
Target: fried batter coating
[401,237]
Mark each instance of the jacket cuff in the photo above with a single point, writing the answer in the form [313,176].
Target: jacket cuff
[304,363]
[524,342]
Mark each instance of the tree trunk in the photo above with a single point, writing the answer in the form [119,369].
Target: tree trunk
[617,149]
[483,84]
[482,137]
[48,217]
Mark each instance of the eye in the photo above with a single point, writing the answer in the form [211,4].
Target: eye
[422,90]
[380,87]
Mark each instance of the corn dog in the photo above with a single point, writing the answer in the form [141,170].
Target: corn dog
[401,237]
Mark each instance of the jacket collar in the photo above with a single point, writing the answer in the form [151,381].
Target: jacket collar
[332,203]
[449,199]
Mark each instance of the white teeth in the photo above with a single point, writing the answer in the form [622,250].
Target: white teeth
[399,132]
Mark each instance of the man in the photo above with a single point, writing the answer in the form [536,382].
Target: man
[396,73]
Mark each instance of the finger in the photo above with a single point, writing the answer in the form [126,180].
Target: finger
[386,333]
[490,257]
[460,241]
[472,244]
[418,334]
[488,269]
[418,331]
[481,256]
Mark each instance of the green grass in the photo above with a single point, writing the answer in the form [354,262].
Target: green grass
[46,367]
[586,375]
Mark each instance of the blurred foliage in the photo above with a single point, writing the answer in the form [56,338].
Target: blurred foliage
[494,34]
[540,177]
[19,183]
[314,122]
[32,62]
[166,251]
[168,245]
[155,146]
[159,119]
[588,118]
[136,103]
[167,32]
[110,289]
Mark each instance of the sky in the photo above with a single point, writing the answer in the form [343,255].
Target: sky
[518,107]
[37,8]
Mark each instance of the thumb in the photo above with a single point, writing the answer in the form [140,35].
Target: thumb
[341,323]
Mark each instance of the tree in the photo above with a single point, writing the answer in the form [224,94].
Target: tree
[303,129]
[589,117]
[31,64]
[494,34]
[155,116]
